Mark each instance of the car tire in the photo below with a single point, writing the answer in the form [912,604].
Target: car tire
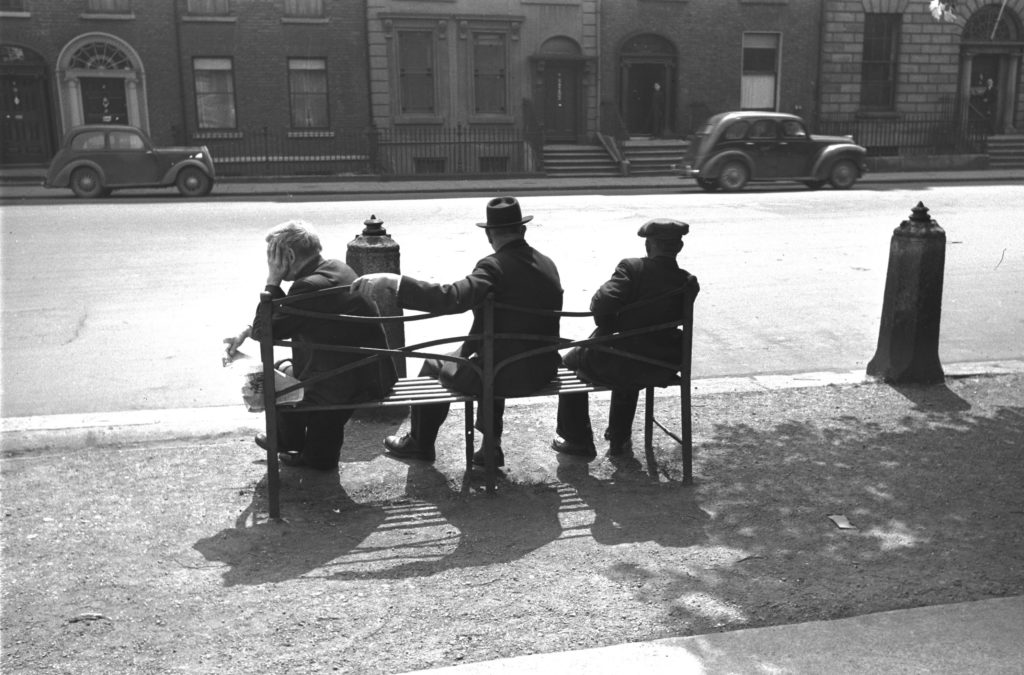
[86,183]
[192,182]
[843,174]
[707,184]
[733,176]
[815,184]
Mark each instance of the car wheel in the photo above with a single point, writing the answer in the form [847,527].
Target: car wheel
[192,182]
[843,174]
[733,177]
[814,184]
[85,183]
[707,184]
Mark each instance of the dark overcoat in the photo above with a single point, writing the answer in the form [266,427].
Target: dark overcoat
[636,279]
[365,383]
[519,275]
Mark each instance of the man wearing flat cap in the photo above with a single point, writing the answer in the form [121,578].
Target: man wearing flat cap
[517,274]
[634,280]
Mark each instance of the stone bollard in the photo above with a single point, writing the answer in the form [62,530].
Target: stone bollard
[908,339]
[375,251]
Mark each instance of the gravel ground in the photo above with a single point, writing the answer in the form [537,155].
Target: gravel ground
[159,558]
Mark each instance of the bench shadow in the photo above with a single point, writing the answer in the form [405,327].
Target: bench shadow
[323,523]
[632,505]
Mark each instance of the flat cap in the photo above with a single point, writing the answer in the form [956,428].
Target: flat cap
[663,228]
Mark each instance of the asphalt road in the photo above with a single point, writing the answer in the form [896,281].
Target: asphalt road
[122,304]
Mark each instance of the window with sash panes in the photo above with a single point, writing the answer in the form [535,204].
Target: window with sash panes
[215,93]
[209,7]
[110,6]
[416,72]
[307,86]
[490,73]
[879,61]
[760,79]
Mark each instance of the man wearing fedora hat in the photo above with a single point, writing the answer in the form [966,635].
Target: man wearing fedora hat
[634,280]
[517,274]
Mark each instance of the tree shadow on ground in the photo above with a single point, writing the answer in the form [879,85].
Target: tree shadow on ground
[934,496]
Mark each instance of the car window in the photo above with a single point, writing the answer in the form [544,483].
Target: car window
[125,140]
[92,140]
[735,132]
[793,129]
[762,129]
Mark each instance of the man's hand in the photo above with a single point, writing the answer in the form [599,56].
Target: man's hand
[376,285]
[234,342]
[278,261]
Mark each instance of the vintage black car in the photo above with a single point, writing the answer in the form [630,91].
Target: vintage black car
[734,148]
[95,159]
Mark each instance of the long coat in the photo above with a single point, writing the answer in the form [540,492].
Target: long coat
[519,275]
[636,279]
[364,383]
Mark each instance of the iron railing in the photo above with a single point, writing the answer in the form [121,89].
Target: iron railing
[941,134]
[396,152]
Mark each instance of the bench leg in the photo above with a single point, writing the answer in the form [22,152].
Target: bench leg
[686,420]
[469,435]
[649,420]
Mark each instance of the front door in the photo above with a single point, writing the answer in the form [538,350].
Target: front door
[104,100]
[24,112]
[561,102]
[645,98]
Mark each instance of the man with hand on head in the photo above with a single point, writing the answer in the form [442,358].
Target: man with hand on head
[517,274]
[314,438]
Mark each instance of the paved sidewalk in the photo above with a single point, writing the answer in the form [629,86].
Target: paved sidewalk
[159,528]
[966,638]
[23,188]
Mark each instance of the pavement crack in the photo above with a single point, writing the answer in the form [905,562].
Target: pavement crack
[78,329]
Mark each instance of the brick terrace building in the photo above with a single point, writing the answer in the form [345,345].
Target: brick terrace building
[184,70]
[708,56]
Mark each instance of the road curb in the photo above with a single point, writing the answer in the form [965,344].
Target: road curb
[23,435]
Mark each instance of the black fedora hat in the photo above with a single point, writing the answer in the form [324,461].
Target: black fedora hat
[504,212]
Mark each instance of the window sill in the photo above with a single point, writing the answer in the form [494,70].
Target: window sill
[197,18]
[304,20]
[211,135]
[419,119]
[491,119]
[100,16]
[15,15]
[877,114]
[311,134]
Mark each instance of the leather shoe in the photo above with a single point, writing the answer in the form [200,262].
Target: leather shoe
[292,459]
[263,442]
[406,447]
[480,460]
[620,448]
[584,450]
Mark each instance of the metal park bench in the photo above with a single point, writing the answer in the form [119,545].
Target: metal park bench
[414,391]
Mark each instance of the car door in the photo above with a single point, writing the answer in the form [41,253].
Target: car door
[130,159]
[762,146]
[796,150]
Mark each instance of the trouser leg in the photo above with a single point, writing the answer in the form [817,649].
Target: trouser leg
[621,412]
[574,418]
[426,420]
[325,434]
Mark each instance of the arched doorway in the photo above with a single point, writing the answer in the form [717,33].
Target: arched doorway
[991,48]
[559,68]
[647,66]
[101,82]
[24,108]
